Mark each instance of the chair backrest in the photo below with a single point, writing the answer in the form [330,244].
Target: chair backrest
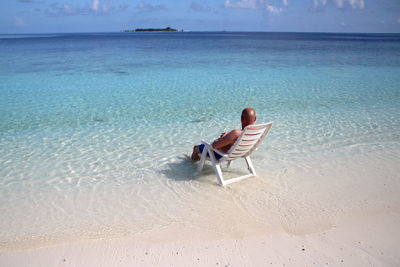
[251,137]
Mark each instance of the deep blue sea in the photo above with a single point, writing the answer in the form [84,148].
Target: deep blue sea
[93,126]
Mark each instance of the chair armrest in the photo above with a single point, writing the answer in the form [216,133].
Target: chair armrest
[206,143]
[219,152]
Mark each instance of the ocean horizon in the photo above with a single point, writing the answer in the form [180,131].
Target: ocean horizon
[94,128]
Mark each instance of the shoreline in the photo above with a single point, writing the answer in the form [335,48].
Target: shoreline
[362,241]
[286,199]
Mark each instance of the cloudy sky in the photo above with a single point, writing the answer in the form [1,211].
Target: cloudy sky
[43,16]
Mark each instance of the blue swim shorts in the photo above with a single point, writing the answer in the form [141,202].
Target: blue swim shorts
[217,156]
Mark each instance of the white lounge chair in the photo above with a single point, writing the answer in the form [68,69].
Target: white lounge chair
[251,137]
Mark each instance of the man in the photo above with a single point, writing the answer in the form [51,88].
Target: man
[226,140]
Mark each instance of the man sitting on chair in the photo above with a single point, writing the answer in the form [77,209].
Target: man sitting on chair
[226,140]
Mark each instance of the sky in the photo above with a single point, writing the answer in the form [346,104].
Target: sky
[55,16]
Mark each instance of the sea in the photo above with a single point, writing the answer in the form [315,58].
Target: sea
[94,128]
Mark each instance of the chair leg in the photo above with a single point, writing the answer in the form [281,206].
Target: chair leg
[202,160]
[216,167]
[218,173]
[250,165]
[228,164]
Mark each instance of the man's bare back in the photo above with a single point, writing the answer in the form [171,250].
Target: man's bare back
[226,140]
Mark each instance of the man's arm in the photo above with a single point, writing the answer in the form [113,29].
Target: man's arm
[227,139]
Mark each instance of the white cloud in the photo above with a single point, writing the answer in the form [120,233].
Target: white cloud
[248,4]
[95,5]
[68,9]
[274,10]
[255,4]
[18,21]
[360,4]
[149,7]
[199,7]
[357,3]
[318,3]
[107,5]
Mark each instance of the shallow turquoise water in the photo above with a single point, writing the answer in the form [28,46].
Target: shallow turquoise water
[100,118]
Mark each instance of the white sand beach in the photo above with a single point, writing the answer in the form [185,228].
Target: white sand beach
[354,221]
[364,241]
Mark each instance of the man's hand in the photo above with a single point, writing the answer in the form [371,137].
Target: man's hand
[223,134]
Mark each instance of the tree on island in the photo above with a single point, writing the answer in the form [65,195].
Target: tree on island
[167,29]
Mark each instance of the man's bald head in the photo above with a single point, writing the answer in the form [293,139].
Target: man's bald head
[248,116]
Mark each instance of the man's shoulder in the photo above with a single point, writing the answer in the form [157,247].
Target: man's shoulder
[235,133]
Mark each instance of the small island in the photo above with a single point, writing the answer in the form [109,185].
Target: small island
[167,29]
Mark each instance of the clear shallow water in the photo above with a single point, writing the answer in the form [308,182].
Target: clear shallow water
[93,126]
